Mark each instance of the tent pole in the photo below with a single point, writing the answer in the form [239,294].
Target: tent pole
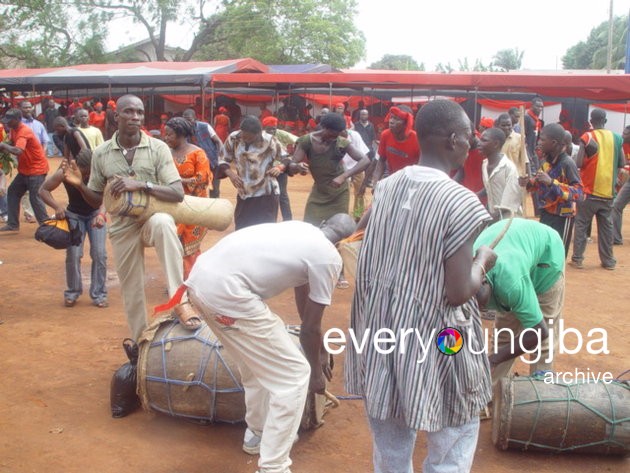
[212,99]
[330,96]
[203,102]
[475,110]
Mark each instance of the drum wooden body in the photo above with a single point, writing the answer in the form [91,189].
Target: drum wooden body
[215,214]
[530,414]
[188,374]
[349,249]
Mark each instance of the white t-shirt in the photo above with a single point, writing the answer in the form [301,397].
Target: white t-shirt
[358,143]
[256,263]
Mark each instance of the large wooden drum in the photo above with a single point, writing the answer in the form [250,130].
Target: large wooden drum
[188,374]
[215,214]
[531,414]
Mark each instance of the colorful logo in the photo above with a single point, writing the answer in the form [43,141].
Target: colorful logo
[450,341]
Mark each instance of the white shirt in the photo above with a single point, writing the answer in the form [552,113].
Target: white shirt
[256,263]
[504,192]
[358,143]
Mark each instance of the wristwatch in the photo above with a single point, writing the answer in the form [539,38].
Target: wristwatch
[148,187]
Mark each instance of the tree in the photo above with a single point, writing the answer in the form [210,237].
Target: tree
[281,31]
[397,62]
[508,59]
[592,53]
[36,34]
[464,66]
[286,32]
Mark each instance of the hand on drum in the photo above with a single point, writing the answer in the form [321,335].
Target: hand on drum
[120,184]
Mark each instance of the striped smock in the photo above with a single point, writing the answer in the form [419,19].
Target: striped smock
[420,217]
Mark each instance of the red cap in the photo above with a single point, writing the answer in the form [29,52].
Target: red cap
[270,122]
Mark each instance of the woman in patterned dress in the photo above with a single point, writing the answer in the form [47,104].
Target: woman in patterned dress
[194,168]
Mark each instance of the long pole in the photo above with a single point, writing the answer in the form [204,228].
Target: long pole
[610,38]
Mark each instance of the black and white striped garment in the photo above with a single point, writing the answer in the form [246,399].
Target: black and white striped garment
[420,217]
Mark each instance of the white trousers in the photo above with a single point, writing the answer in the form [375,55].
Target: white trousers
[274,373]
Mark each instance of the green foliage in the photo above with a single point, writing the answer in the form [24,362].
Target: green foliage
[397,62]
[592,53]
[508,59]
[64,32]
[286,32]
[39,33]
[464,66]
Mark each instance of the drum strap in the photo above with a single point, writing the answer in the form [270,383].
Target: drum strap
[176,299]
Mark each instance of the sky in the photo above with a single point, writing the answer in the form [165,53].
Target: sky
[434,31]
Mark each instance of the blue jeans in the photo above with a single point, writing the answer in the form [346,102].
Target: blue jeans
[17,189]
[97,236]
[450,450]
[51,149]
[4,206]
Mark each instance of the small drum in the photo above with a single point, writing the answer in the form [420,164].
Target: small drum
[349,250]
[215,214]
[188,374]
[531,414]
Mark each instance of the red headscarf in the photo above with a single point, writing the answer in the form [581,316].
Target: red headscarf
[111,104]
[406,116]
[270,122]
[340,105]
[486,122]
[222,110]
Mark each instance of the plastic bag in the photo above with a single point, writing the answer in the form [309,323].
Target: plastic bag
[123,395]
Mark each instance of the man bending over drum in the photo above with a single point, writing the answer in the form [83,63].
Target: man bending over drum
[133,162]
[229,284]
[526,288]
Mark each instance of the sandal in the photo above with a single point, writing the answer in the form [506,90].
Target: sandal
[69,302]
[101,304]
[343,284]
[187,315]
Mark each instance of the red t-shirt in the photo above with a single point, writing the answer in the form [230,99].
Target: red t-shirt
[399,154]
[472,172]
[97,119]
[32,162]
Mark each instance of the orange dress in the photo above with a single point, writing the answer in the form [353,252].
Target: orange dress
[195,164]
[222,126]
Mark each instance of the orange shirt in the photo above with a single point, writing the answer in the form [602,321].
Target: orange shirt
[97,119]
[32,162]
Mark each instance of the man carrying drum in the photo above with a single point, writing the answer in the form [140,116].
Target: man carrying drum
[134,162]
[229,284]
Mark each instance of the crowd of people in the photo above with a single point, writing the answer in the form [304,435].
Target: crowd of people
[426,260]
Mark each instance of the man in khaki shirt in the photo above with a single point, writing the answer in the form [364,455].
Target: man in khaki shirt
[133,162]
[513,148]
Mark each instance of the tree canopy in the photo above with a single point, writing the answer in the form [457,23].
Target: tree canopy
[592,53]
[397,62]
[64,32]
[508,59]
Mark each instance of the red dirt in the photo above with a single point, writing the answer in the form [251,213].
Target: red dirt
[57,364]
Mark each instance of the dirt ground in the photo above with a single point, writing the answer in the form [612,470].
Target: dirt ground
[57,364]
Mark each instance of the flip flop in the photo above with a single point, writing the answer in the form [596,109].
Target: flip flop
[187,315]
[343,284]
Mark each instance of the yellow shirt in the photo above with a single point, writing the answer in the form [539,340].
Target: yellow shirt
[93,135]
